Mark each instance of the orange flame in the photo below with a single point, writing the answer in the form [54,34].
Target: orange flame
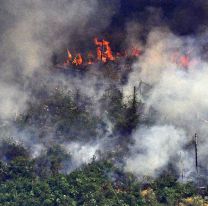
[69,58]
[69,55]
[104,52]
[78,60]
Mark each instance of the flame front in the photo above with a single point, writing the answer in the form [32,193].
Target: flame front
[103,54]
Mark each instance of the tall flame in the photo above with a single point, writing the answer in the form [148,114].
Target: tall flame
[69,58]
[104,52]
[69,55]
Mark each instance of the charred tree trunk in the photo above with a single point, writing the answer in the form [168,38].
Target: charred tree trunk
[132,116]
[196,151]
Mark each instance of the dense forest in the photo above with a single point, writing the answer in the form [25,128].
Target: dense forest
[97,183]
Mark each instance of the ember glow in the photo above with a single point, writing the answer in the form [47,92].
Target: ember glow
[182,60]
[135,52]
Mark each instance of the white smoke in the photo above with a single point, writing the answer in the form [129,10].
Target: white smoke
[41,27]
[32,31]
[12,100]
[81,153]
[35,29]
[37,150]
[179,98]
[153,149]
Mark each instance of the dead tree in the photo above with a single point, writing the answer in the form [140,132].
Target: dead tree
[196,151]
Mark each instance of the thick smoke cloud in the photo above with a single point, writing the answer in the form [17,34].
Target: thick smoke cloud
[178,97]
[31,31]
[151,152]
[30,34]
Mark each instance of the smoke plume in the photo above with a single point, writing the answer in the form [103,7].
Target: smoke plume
[178,97]
[173,67]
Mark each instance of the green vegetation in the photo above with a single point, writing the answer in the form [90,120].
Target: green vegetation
[58,117]
[98,183]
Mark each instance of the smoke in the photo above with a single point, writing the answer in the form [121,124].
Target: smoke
[80,153]
[151,151]
[32,31]
[37,150]
[42,27]
[178,96]
[10,101]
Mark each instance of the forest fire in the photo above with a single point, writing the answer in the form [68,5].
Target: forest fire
[103,54]
[104,102]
